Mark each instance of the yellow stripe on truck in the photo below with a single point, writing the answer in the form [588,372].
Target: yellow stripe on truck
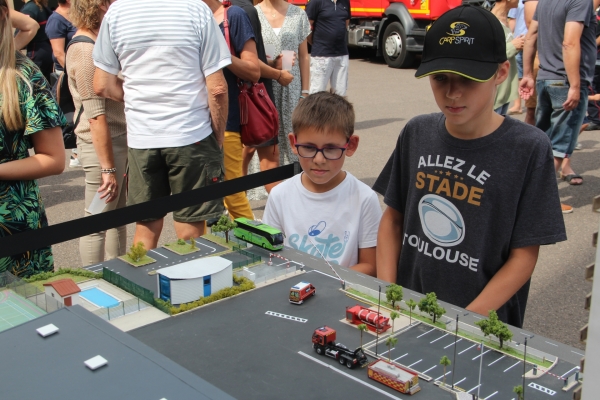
[381,10]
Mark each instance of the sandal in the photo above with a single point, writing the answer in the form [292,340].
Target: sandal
[515,112]
[569,178]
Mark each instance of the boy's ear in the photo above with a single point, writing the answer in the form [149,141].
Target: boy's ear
[352,145]
[502,73]
[292,140]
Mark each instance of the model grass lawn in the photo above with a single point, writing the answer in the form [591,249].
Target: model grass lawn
[182,247]
[77,275]
[137,256]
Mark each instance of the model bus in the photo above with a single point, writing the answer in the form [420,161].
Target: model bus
[258,233]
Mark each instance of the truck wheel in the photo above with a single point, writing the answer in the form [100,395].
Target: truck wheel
[315,292]
[349,364]
[342,360]
[394,47]
[319,350]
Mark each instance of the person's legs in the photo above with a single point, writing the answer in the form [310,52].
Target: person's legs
[516,108]
[148,232]
[339,75]
[247,154]
[269,159]
[116,238]
[321,69]
[237,204]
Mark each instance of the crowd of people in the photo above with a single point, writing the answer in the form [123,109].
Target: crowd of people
[158,114]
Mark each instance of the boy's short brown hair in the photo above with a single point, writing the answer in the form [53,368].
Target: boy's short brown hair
[324,111]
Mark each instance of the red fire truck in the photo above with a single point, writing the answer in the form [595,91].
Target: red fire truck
[323,340]
[301,291]
[395,29]
[361,315]
[398,378]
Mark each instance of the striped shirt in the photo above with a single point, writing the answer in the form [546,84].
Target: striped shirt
[164,49]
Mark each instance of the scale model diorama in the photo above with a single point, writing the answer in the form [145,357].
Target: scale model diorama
[301,291]
[323,340]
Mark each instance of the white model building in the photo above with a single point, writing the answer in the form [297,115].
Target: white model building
[194,279]
[64,290]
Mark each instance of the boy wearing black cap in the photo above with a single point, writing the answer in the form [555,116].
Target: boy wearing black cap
[471,194]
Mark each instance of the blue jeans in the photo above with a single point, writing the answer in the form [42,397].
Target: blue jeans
[519,58]
[561,126]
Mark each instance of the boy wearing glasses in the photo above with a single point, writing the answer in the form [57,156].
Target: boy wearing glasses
[326,211]
[471,194]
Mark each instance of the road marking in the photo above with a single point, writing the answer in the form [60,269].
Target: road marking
[456,309]
[383,283]
[494,362]
[469,391]
[276,314]
[428,369]
[551,343]
[400,357]
[479,355]
[93,266]
[511,366]
[469,348]
[423,334]
[416,362]
[440,377]
[439,338]
[491,395]
[566,373]
[577,353]
[542,389]
[323,273]
[202,244]
[456,383]
[154,251]
[349,376]
[452,344]
[390,350]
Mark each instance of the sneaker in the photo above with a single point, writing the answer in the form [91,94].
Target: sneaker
[592,127]
[578,146]
[74,162]
[566,209]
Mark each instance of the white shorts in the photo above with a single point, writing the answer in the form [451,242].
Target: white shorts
[324,70]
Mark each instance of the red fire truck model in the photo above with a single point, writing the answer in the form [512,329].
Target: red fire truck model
[361,315]
[324,344]
[394,376]
[301,291]
[395,29]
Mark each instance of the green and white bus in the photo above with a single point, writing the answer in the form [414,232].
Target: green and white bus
[259,234]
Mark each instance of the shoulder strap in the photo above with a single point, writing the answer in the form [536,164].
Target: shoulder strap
[77,39]
[226,30]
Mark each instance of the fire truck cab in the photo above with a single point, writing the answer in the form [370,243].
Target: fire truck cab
[301,291]
[323,340]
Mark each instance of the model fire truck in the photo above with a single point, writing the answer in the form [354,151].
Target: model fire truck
[301,291]
[361,315]
[398,378]
[324,344]
[395,29]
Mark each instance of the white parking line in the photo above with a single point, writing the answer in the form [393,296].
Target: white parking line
[159,253]
[577,353]
[469,391]
[424,372]
[469,348]
[396,359]
[439,338]
[284,316]
[517,363]
[494,362]
[476,317]
[493,394]
[551,343]
[566,373]
[479,355]
[349,376]
[423,334]
[415,363]
[452,344]
[390,350]
[456,309]
[202,244]
[440,377]
[456,383]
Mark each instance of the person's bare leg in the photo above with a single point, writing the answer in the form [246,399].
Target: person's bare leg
[269,159]
[148,233]
[530,116]
[566,169]
[247,154]
[516,108]
[186,230]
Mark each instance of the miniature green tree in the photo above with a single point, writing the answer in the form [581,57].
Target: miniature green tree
[493,326]
[445,361]
[180,242]
[503,334]
[192,242]
[224,225]
[393,294]
[362,328]
[486,325]
[518,390]
[429,305]
[389,342]
[137,252]
[411,304]
[393,316]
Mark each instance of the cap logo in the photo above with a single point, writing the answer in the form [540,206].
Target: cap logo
[457,34]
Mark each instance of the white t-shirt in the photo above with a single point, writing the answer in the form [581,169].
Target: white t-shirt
[338,222]
[164,49]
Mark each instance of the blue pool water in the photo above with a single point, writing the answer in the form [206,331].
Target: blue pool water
[99,298]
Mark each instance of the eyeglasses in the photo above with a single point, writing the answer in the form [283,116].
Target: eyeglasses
[330,153]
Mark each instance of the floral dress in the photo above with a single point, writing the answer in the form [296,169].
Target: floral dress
[21,206]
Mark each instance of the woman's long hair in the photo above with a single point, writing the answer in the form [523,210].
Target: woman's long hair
[9,91]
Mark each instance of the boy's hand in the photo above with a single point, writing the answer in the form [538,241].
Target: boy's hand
[526,87]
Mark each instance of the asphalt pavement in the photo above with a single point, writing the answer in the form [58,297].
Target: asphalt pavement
[384,100]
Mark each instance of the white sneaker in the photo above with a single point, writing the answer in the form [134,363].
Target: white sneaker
[74,162]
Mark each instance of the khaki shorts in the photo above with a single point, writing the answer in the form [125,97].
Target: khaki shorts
[532,101]
[155,173]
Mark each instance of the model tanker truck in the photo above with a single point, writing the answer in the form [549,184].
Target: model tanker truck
[323,340]
[395,29]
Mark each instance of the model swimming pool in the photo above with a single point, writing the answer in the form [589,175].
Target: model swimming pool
[99,297]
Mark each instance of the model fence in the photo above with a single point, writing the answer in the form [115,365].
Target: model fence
[246,273]
[284,273]
[123,308]
[29,292]
[232,238]
[250,259]
[128,286]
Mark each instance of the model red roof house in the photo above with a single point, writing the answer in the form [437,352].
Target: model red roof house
[63,290]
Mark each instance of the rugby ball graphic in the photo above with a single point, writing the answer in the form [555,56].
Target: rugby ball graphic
[441,221]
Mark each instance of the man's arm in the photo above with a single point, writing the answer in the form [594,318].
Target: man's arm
[572,57]
[218,103]
[27,27]
[58,48]
[282,77]
[389,244]
[108,85]
[527,84]
[507,281]
[529,11]
[312,27]
[366,261]
[246,66]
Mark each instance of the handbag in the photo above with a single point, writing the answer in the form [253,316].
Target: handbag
[259,120]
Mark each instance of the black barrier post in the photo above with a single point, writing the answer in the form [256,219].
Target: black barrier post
[35,239]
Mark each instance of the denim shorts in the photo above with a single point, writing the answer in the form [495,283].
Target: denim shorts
[519,58]
[562,127]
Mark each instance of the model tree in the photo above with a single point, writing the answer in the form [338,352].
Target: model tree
[493,326]
[519,392]
[180,242]
[224,225]
[393,294]
[362,328]
[445,361]
[389,342]
[429,305]
[137,252]
[192,243]
[393,316]
[411,304]
[503,334]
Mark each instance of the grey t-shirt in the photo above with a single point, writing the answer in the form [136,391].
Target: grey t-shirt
[552,15]
[467,203]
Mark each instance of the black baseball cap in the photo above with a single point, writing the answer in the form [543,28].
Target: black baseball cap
[467,40]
